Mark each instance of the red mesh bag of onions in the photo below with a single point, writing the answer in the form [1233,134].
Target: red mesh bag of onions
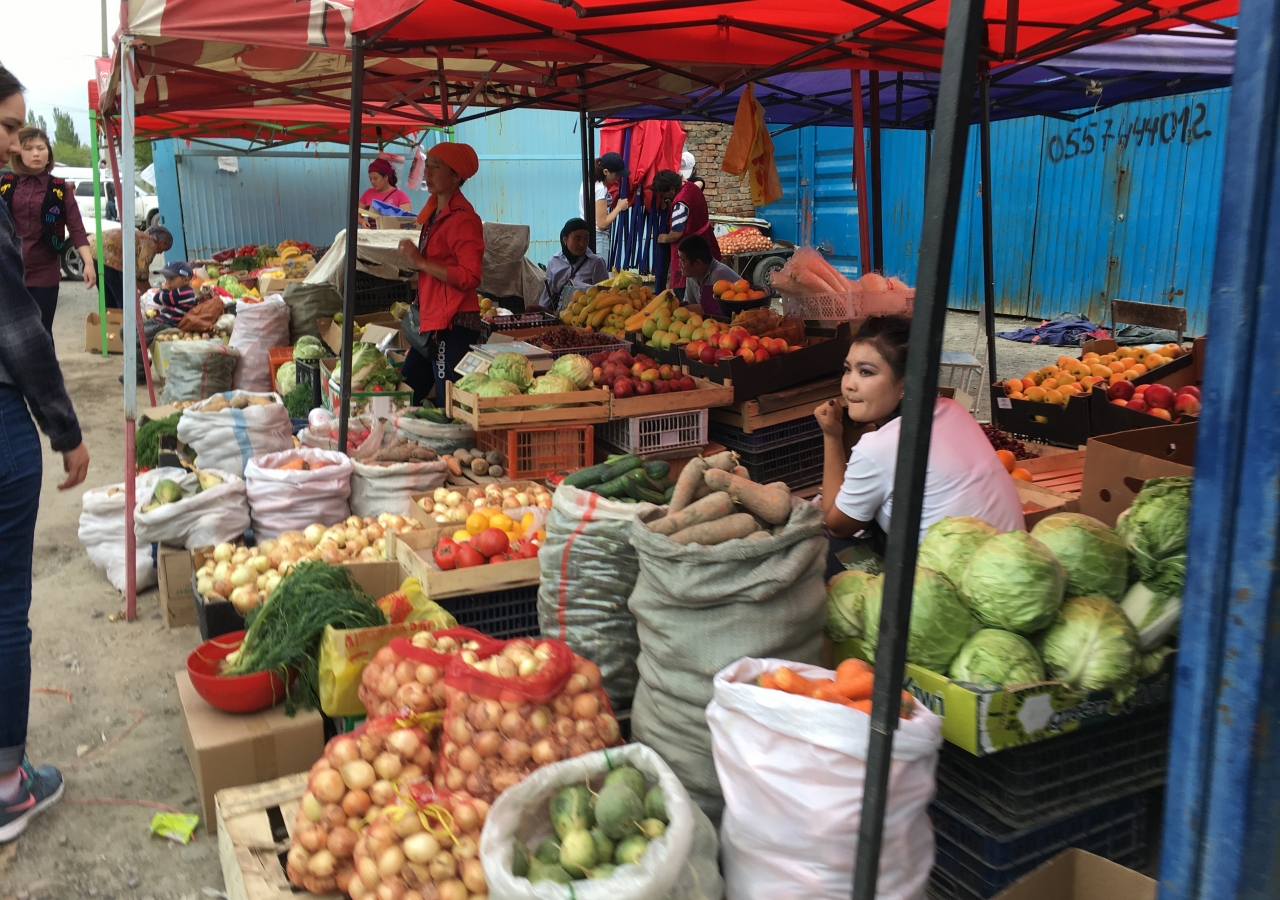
[409,673]
[425,848]
[516,706]
[356,778]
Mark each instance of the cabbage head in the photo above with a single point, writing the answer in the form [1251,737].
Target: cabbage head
[1094,556]
[513,368]
[939,620]
[1155,531]
[308,347]
[496,387]
[1013,582]
[949,544]
[575,367]
[1091,645]
[996,657]
[286,378]
[552,383]
[846,593]
[471,383]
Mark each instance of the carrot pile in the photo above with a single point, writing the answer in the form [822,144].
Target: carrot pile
[851,687]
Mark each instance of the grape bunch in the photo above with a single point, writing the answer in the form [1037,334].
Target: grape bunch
[1001,441]
[568,338]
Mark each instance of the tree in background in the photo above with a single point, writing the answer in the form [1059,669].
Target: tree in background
[68,150]
[38,121]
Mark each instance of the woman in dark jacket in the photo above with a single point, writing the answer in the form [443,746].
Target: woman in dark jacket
[44,209]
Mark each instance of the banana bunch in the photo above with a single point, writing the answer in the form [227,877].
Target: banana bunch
[288,251]
[608,309]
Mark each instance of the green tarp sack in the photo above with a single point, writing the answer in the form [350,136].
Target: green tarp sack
[307,303]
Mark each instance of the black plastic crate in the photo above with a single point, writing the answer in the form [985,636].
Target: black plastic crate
[982,856]
[307,371]
[798,464]
[781,435]
[374,294]
[1027,785]
[500,614]
[515,323]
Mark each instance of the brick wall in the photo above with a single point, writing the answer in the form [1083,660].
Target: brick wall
[727,195]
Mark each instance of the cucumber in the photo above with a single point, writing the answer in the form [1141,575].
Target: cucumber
[433,415]
[657,469]
[616,488]
[640,490]
[668,494]
[623,465]
[584,478]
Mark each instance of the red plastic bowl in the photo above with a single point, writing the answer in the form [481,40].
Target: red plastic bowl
[236,694]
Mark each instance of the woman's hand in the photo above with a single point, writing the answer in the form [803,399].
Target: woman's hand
[409,250]
[90,268]
[830,416]
[622,204]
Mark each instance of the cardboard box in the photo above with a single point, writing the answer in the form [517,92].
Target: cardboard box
[331,332]
[1117,465]
[93,332]
[413,551]
[1079,875]
[228,750]
[277,285]
[177,595]
[1039,502]
[388,223]
[986,720]
[382,404]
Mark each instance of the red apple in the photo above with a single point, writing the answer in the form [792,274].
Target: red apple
[739,332]
[1189,389]
[623,387]
[643,388]
[723,353]
[1158,396]
[708,355]
[637,368]
[661,387]
[1121,390]
[763,354]
[1186,405]
[728,342]
[1138,406]
[752,343]
[687,383]
[693,349]
[747,355]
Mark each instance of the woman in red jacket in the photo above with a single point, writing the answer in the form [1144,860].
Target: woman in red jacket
[449,254]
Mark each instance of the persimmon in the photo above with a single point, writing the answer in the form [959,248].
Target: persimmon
[1007,459]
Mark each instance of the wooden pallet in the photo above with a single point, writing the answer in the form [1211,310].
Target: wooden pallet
[251,838]
[591,405]
[780,406]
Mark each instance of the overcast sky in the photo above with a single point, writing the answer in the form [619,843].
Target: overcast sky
[52,53]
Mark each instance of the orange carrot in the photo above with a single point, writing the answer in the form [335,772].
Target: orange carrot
[908,705]
[854,683]
[767,681]
[861,705]
[831,696]
[793,682]
[853,664]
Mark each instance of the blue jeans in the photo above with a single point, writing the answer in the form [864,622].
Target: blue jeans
[21,468]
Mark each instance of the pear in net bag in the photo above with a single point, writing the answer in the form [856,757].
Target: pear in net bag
[409,672]
[512,707]
[359,775]
[426,847]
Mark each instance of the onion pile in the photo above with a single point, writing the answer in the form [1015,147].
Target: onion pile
[355,779]
[449,505]
[410,674]
[246,576]
[529,706]
[427,848]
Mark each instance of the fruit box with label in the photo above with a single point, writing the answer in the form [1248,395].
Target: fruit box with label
[413,551]
[822,353]
[1182,370]
[1047,423]
[985,720]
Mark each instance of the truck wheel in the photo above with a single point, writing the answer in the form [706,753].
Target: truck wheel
[766,267]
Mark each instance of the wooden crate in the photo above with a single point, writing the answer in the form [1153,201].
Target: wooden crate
[780,406]
[413,552]
[255,825]
[708,394]
[1060,472]
[428,519]
[591,405]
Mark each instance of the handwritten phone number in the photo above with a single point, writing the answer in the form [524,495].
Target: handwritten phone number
[1185,127]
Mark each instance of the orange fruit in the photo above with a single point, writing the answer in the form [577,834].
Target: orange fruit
[1017,395]
[1049,384]
[720,287]
[1100,371]
[1161,414]
[1056,397]
[1069,389]
[741,285]
[1033,377]
[1116,366]
[1130,374]
[1153,361]
[1066,379]
[1007,459]
[1140,368]
[1065,361]
[1021,475]
[1013,386]
[1036,394]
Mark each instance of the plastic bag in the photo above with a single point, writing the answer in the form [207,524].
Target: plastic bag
[198,370]
[408,672]
[259,328]
[440,438]
[589,570]
[347,653]
[283,500]
[679,865]
[318,433]
[791,830]
[228,438]
[698,609]
[377,489]
[102,533]
[560,711]
[216,515]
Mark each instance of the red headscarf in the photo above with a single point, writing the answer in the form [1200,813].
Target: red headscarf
[459,157]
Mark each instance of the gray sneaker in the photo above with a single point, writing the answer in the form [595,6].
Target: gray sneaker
[41,788]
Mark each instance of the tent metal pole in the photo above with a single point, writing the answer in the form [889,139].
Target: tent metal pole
[988,251]
[588,188]
[937,247]
[129,264]
[353,234]
[877,206]
[97,217]
[865,263]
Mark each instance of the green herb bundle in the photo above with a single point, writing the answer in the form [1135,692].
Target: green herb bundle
[284,633]
[146,446]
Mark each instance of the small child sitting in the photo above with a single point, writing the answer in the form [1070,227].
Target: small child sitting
[177,297]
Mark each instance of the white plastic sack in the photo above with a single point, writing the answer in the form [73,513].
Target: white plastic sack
[378,489]
[201,519]
[318,433]
[679,865]
[589,569]
[102,534]
[440,438]
[792,769]
[228,439]
[283,500]
[259,327]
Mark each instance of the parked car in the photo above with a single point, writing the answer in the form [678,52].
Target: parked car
[146,212]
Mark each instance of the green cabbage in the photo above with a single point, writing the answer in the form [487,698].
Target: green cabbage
[1091,645]
[1149,664]
[578,368]
[1014,582]
[1093,555]
[1155,531]
[553,384]
[1155,616]
[286,378]
[512,367]
[496,387]
[369,369]
[939,620]
[471,383]
[846,595]
[950,543]
[308,347]
[996,657]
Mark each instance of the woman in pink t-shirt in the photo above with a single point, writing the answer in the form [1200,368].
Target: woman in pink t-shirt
[382,175]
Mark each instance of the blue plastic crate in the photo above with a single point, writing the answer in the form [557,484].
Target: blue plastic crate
[500,614]
[780,435]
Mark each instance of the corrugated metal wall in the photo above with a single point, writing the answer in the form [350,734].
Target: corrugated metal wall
[1122,203]
[530,174]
